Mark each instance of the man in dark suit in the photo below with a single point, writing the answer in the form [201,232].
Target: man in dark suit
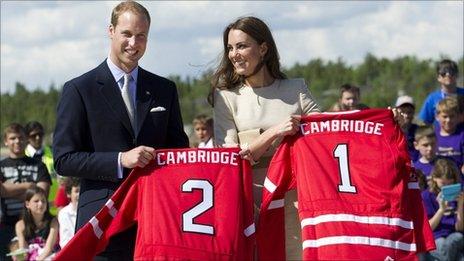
[101,134]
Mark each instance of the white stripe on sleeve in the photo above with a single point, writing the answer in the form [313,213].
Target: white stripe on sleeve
[358,219]
[279,203]
[413,185]
[250,230]
[271,187]
[96,228]
[355,240]
[110,205]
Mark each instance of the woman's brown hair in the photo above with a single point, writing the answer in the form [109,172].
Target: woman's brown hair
[225,77]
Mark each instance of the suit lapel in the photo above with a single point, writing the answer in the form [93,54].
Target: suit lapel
[112,95]
[144,98]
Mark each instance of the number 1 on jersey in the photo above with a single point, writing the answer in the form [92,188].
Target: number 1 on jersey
[341,153]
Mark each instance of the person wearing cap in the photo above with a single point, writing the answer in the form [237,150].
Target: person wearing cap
[447,74]
[405,105]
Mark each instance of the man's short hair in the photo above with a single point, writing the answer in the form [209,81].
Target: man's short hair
[33,125]
[447,65]
[349,88]
[13,128]
[131,6]
[424,132]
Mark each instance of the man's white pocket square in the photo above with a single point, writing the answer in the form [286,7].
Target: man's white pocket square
[156,109]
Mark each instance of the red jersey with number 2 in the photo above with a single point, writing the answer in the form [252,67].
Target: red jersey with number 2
[190,204]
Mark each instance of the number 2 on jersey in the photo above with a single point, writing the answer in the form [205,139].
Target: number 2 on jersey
[200,208]
[341,153]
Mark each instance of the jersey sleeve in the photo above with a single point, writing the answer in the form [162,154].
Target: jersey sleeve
[271,228]
[248,215]
[118,214]
[422,231]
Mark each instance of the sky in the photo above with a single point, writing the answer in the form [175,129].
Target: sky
[50,42]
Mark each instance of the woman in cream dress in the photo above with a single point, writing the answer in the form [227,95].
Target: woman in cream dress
[255,106]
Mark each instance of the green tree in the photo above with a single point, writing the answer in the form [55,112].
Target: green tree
[380,80]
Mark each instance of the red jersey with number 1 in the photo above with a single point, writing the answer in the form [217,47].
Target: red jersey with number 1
[190,204]
[356,196]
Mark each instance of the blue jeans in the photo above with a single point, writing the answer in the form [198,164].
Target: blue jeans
[449,248]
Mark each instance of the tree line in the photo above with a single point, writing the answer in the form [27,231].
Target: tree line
[380,80]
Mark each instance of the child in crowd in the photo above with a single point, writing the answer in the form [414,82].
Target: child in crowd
[67,215]
[349,99]
[203,127]
[17,173]
[406,107]
[425,144]
[446,218]
[37,231]
[450,135]
[36,148]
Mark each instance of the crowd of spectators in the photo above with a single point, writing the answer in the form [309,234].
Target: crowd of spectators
[435,143]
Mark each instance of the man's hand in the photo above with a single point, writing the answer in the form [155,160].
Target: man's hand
[137,157]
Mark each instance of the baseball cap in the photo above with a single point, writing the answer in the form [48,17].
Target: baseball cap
[405,99]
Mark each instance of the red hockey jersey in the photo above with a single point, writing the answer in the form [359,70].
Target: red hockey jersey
[193,204]
[356,199]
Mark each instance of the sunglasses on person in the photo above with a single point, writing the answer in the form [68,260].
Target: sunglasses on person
[445,73]
[33,135]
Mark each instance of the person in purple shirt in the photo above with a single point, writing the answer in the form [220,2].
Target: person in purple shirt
[425,144]
[446,218]
[449,133]
[447,74]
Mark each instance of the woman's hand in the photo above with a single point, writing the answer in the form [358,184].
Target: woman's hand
[258,147]
[245,153]
[288,127]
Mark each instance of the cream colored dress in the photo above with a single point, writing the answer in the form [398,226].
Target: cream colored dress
[245,111]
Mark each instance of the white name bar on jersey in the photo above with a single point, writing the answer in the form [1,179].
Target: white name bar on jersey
[197,156]
[359,126]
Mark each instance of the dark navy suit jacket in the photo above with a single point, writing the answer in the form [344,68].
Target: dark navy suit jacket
[93,126]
